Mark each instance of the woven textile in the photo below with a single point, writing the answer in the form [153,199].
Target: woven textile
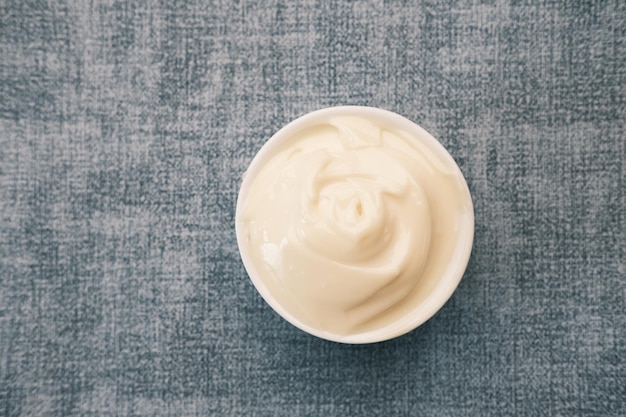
[125,128]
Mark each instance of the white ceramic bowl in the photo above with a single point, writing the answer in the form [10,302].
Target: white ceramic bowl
[447,283]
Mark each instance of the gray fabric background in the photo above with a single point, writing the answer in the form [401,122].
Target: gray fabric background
[125,127]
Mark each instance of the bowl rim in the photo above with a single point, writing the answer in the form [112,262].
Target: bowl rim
[453,274]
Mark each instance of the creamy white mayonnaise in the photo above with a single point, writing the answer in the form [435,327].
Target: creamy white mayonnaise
[350,222]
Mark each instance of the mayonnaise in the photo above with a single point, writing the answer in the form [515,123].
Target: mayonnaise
[350,222]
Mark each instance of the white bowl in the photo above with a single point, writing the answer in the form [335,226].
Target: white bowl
[447,283]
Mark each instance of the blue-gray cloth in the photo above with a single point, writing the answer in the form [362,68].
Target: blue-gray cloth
[126,127]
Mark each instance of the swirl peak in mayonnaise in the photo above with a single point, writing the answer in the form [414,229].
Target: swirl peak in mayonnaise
[354,224]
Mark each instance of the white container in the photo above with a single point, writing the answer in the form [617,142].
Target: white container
[437,292]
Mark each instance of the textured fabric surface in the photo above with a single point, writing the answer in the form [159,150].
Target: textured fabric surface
[125,129]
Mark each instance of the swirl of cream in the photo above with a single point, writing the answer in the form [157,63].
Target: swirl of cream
[361,255]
